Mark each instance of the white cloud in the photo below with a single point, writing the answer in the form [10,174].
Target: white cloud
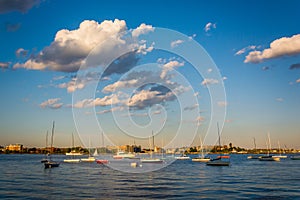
[209,26]
[192,37]
[284,46]
[191,107]
[145,98]
[279,99]
[169,67]
[209,82]
[4,65]
[298,80]
[21,52]
[142,29]
[113,99]
[70,47]
[209,70]
[119,85]
[222,103]
[243,50]
[51,103]
[176,43]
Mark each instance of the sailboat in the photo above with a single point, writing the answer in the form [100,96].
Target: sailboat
[151,159]
[256,156]
[201,158]
[296,157]
[73,153]
[101,161]
[183,156]
[90,158]
[268,157]
[280,155]
[219,161]
[46,153]
[50,163]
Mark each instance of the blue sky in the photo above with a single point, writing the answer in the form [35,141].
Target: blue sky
[255,46]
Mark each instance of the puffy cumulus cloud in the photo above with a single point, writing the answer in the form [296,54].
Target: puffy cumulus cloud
[17,5]
[295,66]
[51,103]
[210,26]
[133,79]
[209,82]
[243,50]
[284,46]
[4,65]
[140,99]
[109,100]
[146,98]
[70,48]
[169,66]
[142,29]
[120,84]
[176,43]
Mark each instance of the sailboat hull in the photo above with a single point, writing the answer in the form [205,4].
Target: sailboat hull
[268,158]
[151,160]
[201,159]
[218,163]
[51,164]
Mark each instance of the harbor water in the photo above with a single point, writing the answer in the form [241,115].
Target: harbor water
[24,177]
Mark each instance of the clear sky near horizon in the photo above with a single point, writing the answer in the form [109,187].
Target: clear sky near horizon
[254,44]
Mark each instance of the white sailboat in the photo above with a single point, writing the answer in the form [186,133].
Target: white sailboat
[256,156]
[201,158]
[268,157]
[280,155]
[90,158]
[95,152]
[73,153]
[151,159]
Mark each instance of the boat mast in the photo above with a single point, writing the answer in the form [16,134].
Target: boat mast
[52,137]
[219,137]
[153,141]
[47,140]
[201,146]
[269,142]
[254,144]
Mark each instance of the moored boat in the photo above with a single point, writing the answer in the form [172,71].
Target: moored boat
[201,159]
[88,159]
[121,155]
[102,161]
[50,163]
[295,157]
[221,160]
[268,158]
[182,157]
